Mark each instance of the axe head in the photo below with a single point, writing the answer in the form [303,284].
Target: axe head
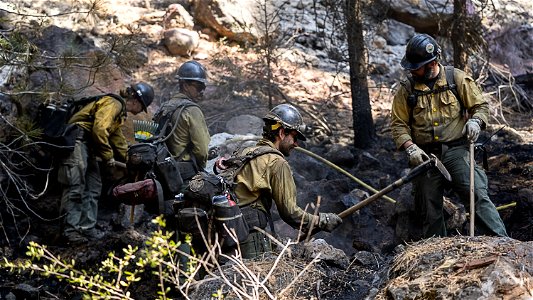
[432,162]
[435,162]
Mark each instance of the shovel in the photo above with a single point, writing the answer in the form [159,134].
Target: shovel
[433,162]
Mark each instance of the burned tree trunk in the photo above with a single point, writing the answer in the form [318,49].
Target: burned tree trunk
[363,125]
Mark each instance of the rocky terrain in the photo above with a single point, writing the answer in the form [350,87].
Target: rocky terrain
[362,257]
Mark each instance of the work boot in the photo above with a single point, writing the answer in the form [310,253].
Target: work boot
[93,234]
[75,238]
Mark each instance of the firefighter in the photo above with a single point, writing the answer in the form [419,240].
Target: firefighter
[433,121]
[100,140]
[187,134]
[268,179]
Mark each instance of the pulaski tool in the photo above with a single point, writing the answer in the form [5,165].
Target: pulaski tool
[427,165]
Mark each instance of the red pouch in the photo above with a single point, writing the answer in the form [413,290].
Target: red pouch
[136,192]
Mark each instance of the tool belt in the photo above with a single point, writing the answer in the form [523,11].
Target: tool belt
[439,148]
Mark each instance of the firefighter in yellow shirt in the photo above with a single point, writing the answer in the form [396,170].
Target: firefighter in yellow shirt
[268,179]
[428,118]
[101,139]
[187,134]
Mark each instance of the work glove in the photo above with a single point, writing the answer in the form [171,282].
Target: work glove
[329,221]
[472,129]
[416,155]
[110,163]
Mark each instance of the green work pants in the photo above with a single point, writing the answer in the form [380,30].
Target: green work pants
[256,244]
[82,185]
[429,189]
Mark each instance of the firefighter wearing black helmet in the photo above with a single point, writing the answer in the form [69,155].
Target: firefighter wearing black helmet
[100,140]
[427,118]
[268,179]
[186,135]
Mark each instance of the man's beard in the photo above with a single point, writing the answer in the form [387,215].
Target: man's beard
[285,148]
[429,74]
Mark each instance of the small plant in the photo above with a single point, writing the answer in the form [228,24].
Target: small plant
[117,276]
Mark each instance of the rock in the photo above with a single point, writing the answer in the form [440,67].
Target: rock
[354,197]
[419,14]
[26,291]
[176,16]
[11,296]
[245,124]
[521,220]
[327,253]
[224,144]
[367,259]
[368,161]
[396,33]
[181,41]
[340,155]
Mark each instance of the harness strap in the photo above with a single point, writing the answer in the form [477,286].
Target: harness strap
[412,98]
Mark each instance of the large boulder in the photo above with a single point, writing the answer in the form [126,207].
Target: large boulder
[181,41]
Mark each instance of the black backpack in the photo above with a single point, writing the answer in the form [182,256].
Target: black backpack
[206,202]
[58,136]
[204,186]
[412,98]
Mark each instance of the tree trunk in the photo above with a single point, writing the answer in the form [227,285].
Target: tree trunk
[363,125]
[459,28]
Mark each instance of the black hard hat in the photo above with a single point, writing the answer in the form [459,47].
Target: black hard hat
[289,117]
[420,50]
[144,93]
[192,70]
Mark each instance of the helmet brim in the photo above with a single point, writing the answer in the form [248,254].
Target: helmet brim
[301,136]
[204,81]
[407,65]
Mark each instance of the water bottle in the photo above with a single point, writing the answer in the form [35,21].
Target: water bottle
[220,200]
[178,203]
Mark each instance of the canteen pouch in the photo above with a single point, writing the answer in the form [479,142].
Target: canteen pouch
[168,173]
[228,219]
[141,157]
[193,220]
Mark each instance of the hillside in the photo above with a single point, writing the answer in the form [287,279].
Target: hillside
[310,71]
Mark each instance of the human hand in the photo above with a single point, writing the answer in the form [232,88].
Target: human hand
[416,155]
[110,163]
[472,129]
[329,221]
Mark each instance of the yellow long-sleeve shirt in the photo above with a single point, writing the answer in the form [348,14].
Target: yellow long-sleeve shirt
[436,117]
[103,119]
[191,129]
[270,176]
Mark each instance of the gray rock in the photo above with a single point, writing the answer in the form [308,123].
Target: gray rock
[396,33]
[245,124]
[181,41]
[367,259]
[327,253]
[26,291]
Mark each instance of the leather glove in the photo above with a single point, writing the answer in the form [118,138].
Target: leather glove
[110,163]
[416,155]
[329,221]
[472,129]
